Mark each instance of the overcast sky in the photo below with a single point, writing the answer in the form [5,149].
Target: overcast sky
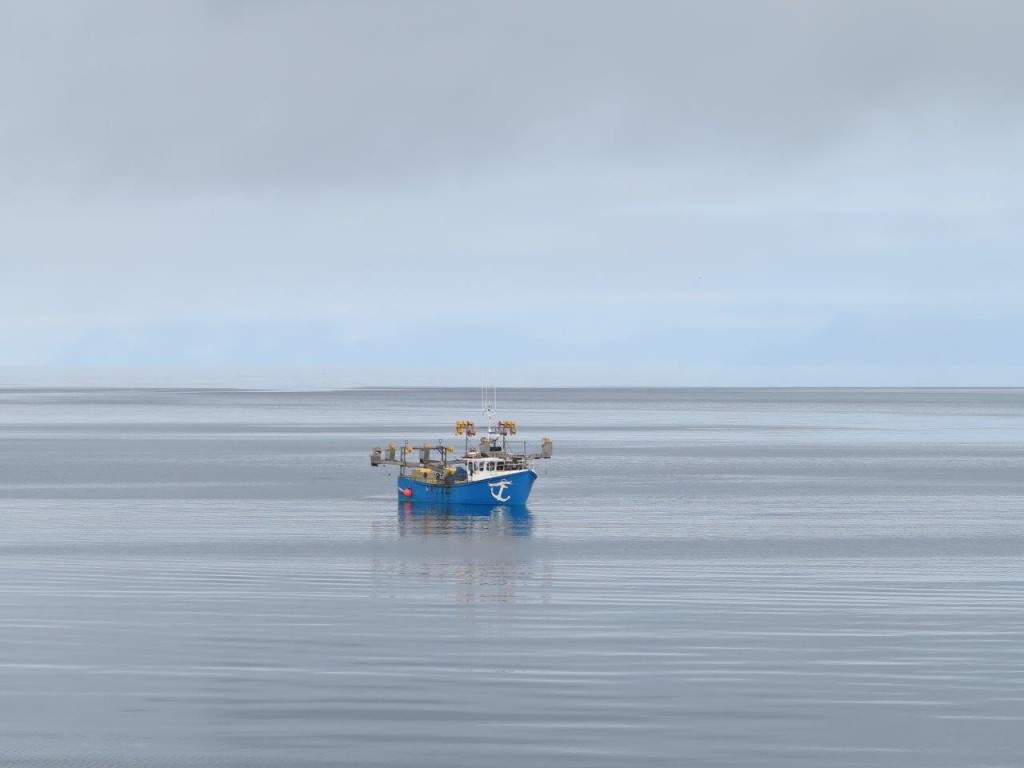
[711,186]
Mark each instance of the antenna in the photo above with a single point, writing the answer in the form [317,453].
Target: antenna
[489,404]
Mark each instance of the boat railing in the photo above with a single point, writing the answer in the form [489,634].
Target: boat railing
[440,456]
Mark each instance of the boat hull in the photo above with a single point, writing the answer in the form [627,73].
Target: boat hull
[511,489]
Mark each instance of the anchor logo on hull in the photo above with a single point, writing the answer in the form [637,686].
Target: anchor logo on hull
[498,490]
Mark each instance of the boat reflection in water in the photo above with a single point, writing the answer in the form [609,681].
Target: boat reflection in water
[482,553]
[463,519]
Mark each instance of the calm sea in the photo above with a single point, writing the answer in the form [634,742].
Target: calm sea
[704,578]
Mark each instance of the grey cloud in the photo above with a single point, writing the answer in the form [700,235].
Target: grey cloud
[713,182]
[188,94]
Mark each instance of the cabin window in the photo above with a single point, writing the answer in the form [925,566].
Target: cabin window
[490,465]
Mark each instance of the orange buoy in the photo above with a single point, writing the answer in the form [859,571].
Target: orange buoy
[407,491]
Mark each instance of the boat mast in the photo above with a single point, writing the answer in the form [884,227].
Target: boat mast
[489,405]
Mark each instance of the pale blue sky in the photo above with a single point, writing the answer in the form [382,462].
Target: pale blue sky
[748,192]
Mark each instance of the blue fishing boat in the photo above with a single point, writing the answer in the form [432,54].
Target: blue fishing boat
[492,471]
